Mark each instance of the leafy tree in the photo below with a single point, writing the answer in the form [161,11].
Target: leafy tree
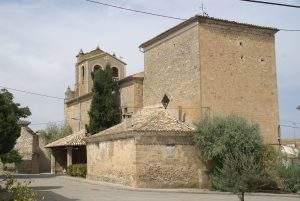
[240,173]
[10,114]
[11,157]
[104,111]
[55,131]
[234,147]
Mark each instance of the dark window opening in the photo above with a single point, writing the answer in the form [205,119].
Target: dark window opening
[97,67]
[82,72]
[115,72]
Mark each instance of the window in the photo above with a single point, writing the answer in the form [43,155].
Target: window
[97,67]
[82,72]
[115,72]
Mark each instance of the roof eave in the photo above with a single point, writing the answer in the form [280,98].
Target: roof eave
[200,18]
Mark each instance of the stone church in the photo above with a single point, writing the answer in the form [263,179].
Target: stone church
[202,66]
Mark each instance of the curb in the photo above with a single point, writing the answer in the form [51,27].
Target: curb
[187,190]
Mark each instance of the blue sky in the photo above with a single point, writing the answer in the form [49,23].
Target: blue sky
[40,39]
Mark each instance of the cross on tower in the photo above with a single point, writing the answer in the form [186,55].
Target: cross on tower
[203,10]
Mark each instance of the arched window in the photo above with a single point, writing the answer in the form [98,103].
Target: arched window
[97,67]
[115,72]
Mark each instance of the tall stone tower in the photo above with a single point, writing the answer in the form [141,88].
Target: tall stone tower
[77,101]
[212,66]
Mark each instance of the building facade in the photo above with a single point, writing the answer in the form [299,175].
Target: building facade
[78,101]
[209,66]
[202,66]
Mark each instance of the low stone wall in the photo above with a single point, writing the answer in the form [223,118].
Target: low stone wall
[146,160]
[112,161]
[167,166]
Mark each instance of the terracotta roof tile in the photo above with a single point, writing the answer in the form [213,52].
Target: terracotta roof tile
[74,139]
[148,119]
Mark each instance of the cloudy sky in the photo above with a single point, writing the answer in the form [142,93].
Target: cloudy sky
[40,39]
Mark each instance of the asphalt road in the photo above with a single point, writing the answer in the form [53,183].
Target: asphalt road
[61,188]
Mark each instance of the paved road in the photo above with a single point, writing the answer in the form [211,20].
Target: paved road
[60,188]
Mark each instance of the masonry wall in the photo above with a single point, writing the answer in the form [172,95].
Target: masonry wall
[44,156]
[169,166]
[76,111]
[171,68]
[138,95]
[131,96]
[112,161]
[84,84]
[27,145]
[238,75]
[152,161]
[127,98]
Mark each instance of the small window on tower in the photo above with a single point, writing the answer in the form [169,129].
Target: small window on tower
[82,72]
[97,67]
[115,72]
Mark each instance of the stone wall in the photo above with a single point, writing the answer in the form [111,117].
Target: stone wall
[131,96]
[24,144]
[238,74]
[146,160]
[138,95]
[44,156]
[212,68]
[172,68]
[76,111]
[28,147]
[168,166]
[112,161]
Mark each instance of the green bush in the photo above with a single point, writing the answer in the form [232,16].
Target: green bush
[17,191]
[227,136]
[77,170]
[290,177]
[11,157]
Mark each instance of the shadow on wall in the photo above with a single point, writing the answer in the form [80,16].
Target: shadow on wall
[44,156]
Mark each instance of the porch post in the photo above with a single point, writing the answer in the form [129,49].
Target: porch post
[69,156]
[52,158]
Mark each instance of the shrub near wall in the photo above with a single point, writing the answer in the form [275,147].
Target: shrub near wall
[77,170]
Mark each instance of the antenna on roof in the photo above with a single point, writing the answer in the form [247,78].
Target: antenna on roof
[203,10]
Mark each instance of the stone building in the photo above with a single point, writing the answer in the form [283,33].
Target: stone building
[202,66]
[212,66]
[152,149]
[30,146]
[77,101]
[71,149]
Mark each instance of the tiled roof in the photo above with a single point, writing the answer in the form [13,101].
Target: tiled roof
[136,76]
[201,18]
[74,139]
[148,119]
